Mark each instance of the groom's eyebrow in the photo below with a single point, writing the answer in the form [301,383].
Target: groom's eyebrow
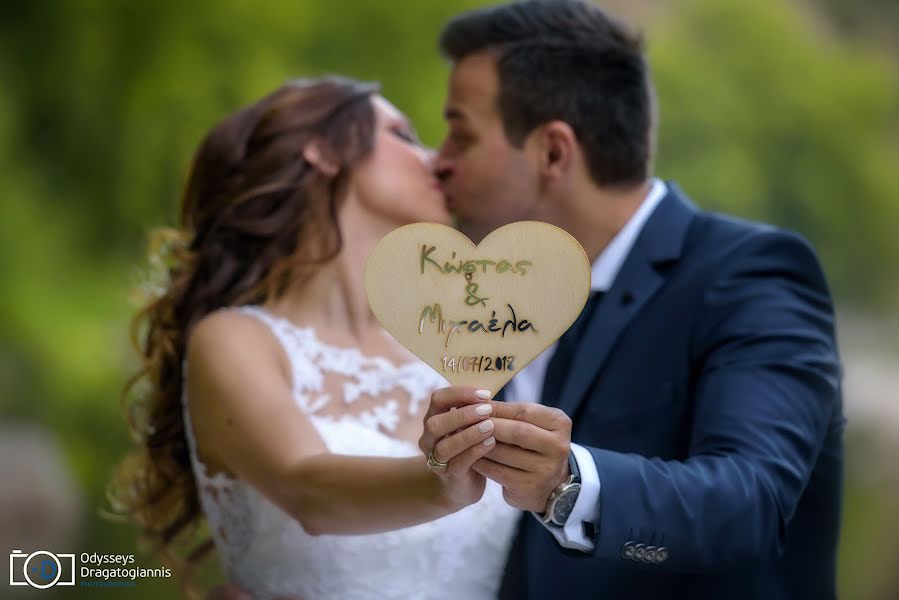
[453,114]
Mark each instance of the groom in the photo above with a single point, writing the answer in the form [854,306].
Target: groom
[684,438]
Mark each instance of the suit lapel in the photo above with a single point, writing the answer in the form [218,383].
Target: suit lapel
[660,242]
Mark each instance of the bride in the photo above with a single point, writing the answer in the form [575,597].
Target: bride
[274,403]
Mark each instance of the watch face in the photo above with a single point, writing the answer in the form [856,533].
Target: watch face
[565,503]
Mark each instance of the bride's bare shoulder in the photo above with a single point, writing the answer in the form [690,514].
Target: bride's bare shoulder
[230,335]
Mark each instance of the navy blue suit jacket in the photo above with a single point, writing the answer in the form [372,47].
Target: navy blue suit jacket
[707,389]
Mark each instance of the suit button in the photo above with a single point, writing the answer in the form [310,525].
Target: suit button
[661,555]
[640,552]
[628,550]
[651,552]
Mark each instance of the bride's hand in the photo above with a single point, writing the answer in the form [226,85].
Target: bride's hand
[465,412]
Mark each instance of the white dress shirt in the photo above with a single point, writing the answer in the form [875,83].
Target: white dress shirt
[527,385]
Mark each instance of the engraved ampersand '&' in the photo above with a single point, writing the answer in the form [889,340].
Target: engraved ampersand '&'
[477,314]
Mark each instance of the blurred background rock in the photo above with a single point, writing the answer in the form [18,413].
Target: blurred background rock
[41,505]
[782,110]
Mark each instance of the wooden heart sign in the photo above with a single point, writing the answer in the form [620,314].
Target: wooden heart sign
[477,314]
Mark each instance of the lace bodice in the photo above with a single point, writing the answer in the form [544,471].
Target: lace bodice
[362,406]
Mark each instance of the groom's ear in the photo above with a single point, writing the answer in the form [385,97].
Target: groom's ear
[557,147]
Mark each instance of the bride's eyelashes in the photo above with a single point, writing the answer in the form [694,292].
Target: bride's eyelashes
[406,135]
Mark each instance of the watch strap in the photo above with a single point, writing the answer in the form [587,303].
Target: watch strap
[572,466]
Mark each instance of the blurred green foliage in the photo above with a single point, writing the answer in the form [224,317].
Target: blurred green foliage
[763,113]
[764,116]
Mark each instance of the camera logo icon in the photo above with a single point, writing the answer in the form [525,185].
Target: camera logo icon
[41,569]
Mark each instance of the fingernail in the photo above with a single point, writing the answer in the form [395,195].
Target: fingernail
[483,394]
[485,426]
[489,441]
[484,409]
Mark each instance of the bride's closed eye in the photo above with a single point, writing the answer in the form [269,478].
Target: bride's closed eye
[406,135]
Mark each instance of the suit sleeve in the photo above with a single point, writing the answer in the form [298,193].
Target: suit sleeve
[767,390]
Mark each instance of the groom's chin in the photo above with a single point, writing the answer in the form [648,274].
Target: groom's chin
[470,230]
[476,236]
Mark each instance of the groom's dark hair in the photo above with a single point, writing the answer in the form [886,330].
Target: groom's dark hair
[567,60]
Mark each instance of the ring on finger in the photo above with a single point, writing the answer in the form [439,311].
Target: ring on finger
[434,464]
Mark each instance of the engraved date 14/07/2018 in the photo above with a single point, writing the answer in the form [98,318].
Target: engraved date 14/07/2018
[478,364]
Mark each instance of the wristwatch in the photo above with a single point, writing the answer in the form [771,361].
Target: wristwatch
[561,501]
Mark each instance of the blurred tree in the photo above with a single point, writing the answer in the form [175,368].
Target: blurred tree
[112,97]
[865,18]
[766,117]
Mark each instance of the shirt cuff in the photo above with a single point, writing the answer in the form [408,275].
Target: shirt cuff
[586,507]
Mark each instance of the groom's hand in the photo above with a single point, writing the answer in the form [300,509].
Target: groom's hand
[531,455]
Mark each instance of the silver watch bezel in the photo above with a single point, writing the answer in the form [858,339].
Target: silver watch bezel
[549,517]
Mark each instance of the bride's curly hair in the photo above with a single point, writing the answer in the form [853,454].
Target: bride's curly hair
[255,216]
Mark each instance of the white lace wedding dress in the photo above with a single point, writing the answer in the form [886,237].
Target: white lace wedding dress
[360,405]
